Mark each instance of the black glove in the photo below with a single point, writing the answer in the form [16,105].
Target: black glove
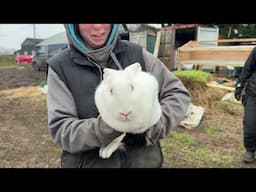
[238,91]
[134,139]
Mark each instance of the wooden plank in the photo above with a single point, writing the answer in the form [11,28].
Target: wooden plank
[181,26]
[166,61]
[219,48]
[218,55]
[232,40]
[189,44]
[215,55]
[215,85]
[157,44]
[214,63]
[164,50]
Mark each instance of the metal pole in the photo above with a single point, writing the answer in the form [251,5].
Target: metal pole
[34,29]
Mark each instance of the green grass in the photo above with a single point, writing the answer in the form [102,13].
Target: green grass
[196,83]
[194,75]
[7,61]
[211,132]
[183,150]
[203,156]
[194,80]
[183,138]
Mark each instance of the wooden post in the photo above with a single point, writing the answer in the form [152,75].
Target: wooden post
[157,44]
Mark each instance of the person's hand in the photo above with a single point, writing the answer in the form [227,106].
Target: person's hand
[238,91]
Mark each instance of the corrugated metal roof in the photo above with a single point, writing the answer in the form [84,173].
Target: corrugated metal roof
[31,41]
[60,38]
[139,27]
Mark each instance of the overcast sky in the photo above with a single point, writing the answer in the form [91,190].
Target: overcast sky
[12,35]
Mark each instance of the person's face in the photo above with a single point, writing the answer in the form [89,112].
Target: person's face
[95,34]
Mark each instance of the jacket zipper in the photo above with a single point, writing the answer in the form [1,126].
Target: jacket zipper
[99,68]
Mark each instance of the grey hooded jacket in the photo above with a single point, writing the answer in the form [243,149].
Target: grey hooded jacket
[76,135]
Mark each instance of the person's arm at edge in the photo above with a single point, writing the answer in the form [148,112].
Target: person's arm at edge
[248,69]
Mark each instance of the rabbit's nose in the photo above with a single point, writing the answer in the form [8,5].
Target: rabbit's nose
[125,113]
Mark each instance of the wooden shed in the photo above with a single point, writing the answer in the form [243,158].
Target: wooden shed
[144,35]
[177,35]
[221,55]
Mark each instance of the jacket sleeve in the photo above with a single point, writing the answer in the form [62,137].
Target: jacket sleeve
[248,69]
[73,134]
[174,99]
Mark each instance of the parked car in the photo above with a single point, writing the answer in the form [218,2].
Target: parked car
[39,61]
[43,53]
[24,59]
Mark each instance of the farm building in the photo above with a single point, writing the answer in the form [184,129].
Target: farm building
[170,38]
[28,46]
[52,45]
[175,36]
[142,34]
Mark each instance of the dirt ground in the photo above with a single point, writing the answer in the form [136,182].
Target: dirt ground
[216,143]
[24,139]
[20,76]
[25,142]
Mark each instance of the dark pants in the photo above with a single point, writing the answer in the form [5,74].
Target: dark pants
[132,157]
[249,123]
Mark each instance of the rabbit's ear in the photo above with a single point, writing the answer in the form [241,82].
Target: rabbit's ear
[107,72]
[134,68]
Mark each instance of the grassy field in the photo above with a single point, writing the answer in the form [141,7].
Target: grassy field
[7,61]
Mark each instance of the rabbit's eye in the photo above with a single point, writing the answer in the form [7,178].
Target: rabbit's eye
[132,87]
[111,91]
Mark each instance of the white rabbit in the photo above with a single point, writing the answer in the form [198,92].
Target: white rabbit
[127,100]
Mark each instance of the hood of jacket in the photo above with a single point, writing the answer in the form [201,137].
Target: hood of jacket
[100,55]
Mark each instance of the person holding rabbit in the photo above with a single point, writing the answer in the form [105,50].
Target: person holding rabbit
[103,91]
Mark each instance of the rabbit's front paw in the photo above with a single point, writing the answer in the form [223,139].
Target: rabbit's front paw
[106,152]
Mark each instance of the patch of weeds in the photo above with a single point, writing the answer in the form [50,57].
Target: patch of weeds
[211,132]
[182,150]
[7,61]
[183,138]
[168,148]
[231,108]
[204,157]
